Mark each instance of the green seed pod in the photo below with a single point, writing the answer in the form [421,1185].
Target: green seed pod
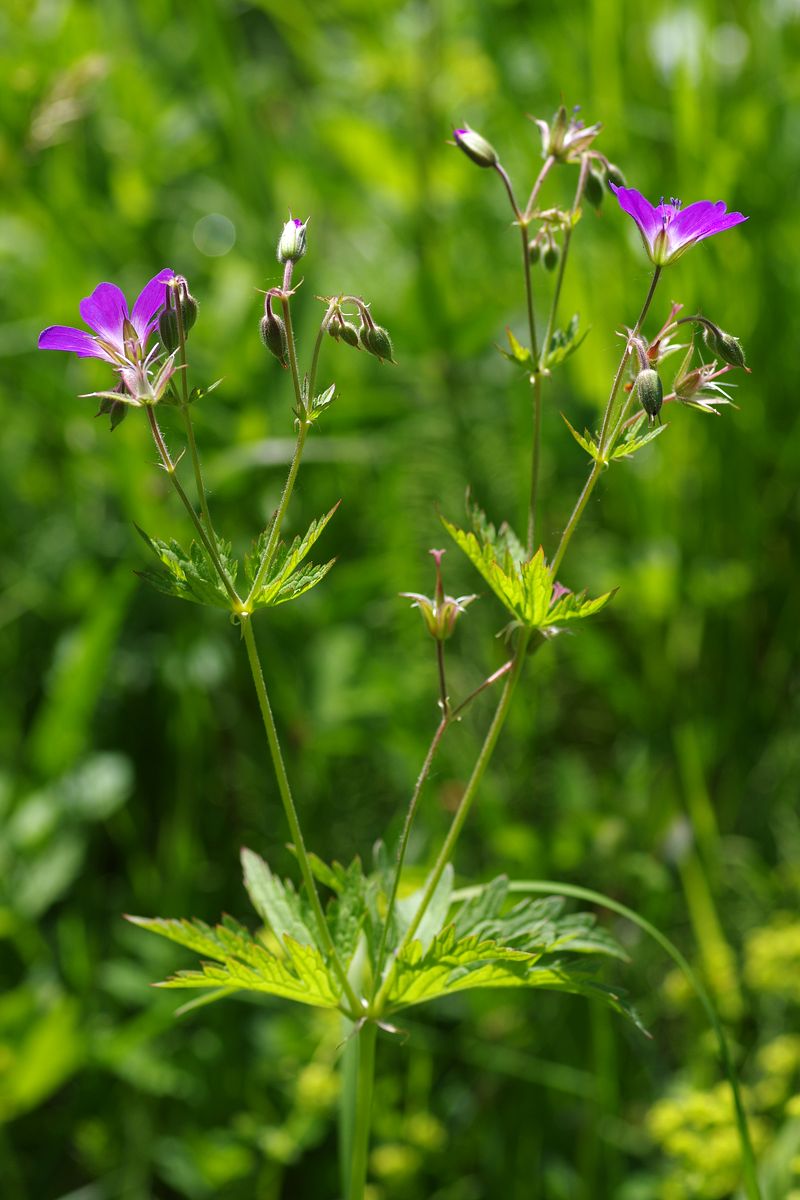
[476,147]
[651,392]
[595,186]
[168,331]
[552,253]
[725,345]
[376,341]
[534,251]
[273,335]
[614,175]
[348,333]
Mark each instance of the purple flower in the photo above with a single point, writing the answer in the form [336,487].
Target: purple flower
[119,335]
[667,229]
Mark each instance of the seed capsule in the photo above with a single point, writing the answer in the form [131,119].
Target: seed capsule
[651,393]
[168,331]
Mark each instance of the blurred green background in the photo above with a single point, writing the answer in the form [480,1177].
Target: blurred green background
[656,755]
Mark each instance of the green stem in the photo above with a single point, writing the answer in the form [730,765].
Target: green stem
[549,887]
[275,529]
[286,305]
[549,162]
[403,846]
[170,468]
[605,443]
[452,715]
[462,812]
[562,266]
[536,455]
[187,421]
[289,809]
[367,1037]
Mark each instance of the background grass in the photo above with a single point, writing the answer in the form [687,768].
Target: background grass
[656,755]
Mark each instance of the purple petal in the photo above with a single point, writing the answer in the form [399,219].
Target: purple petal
[152,297]
[104,311]
[701,220]
[643,212]
[75,341]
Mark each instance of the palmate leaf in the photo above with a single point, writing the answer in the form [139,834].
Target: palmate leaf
[534,945]
[585,440]
[285,578]
[192,575]
[241,963]
[525,588]
[276,902]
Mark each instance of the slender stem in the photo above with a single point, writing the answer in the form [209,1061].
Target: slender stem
[187,420]
[549,887]
[536,383]
[444,703]
[403,846]
[286,305]
[536,454]
[367,1037]
[312,373]
[545,171]
[624,360]
[275,529]
[605,443]
[289,809]
[562,266]
[461,813]
[455,713]
[501,171]
[170,468]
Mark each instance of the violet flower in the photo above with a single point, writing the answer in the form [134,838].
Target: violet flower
[667,229]
[119,336]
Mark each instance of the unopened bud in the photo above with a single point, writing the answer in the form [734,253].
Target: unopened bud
[168,331]
[551,255]
[348,333]
[534,251]
[188,305]
[651,392]
[725,346]
[115,410]
[595,187]
[614,175]
[292,242]
[273,334]
[476,147]
[376,340]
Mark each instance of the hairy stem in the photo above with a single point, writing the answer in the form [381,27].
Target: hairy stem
[275,529]
[202,533]
[605,443]
[187,422]
[403,846]
[462,812]
[292,819]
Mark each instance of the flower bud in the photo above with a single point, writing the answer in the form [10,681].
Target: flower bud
[273,334]
[188,306]
[168,331]
[551,255]
[115,410]
[292,242]
[614,175]
[651,392]
[476,147]
[348,333]
[534,251]
[595,186]
[376,341]
[725,346]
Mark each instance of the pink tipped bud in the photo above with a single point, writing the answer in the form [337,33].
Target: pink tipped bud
[482,153]
[292,242]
